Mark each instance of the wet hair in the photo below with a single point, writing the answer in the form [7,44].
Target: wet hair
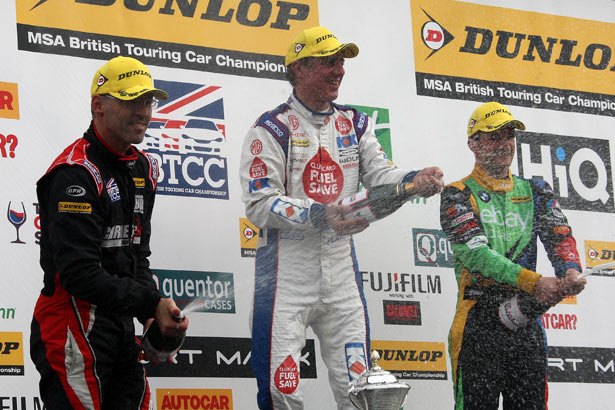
[290,74]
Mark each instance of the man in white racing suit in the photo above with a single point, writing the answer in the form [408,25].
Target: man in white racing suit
[297,162]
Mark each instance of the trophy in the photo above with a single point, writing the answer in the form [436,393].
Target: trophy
[378,389]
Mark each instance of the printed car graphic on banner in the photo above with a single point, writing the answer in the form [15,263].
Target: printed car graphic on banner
[187,137]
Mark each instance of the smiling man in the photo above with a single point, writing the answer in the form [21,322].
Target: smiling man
[96,202]
[297,161]
[493,219]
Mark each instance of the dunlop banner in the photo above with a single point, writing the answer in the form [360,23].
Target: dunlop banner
[412,360]
[241,37]
[473,52]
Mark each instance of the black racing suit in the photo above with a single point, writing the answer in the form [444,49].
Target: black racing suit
[493,226]
[95,211]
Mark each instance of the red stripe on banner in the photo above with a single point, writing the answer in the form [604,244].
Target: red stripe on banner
[188,100]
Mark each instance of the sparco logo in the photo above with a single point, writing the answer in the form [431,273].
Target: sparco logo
[251,13]
[578,169]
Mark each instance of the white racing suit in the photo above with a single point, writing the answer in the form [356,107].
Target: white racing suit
[295,161]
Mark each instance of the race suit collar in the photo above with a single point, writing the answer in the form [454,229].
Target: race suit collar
[493,184]
[317,117]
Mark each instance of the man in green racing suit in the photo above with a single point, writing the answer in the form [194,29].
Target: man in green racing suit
[492,219]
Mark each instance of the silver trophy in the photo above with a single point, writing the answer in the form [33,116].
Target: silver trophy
[377,389]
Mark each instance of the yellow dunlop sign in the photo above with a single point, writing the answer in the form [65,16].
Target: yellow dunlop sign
[174,33]
[248,232]
[599,253]
[412,360]
[473,52]
[11,354]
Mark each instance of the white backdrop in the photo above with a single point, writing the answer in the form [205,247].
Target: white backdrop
[202,236]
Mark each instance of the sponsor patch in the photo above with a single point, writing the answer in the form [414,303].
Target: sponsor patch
[139,207]
[139,182]
[256,147]
[75,190]
[348,141]
[561,230]
[113,190]
[355,360]
[299,142]
[258,184]
[323,179]
[75,207]
[294,122]
[287,376]
[484,196]
[480,240]
[343,125]
[289,211]
[258,169]
[462,218]
[520,199]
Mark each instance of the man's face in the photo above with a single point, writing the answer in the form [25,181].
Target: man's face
[125,122]
[319,81]
[494,151]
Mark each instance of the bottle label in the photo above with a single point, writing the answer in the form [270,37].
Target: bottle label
[360,206]
[510,314]
[355,199]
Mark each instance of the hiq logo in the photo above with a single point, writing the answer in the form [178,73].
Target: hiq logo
[431,248]
[187,137]
[578,169]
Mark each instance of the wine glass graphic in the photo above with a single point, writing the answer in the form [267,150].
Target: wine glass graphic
[17,219]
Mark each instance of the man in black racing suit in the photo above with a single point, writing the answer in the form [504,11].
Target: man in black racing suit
[96,203]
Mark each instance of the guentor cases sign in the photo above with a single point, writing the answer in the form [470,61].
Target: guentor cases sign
[475,52]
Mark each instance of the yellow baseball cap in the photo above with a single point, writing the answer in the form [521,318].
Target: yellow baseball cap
[318,42]
[125,78]
[491,116]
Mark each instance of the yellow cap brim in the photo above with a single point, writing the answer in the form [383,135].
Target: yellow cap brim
[137,91]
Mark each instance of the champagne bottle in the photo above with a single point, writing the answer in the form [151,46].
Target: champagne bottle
[378,202]
[520,310]
[159,346]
